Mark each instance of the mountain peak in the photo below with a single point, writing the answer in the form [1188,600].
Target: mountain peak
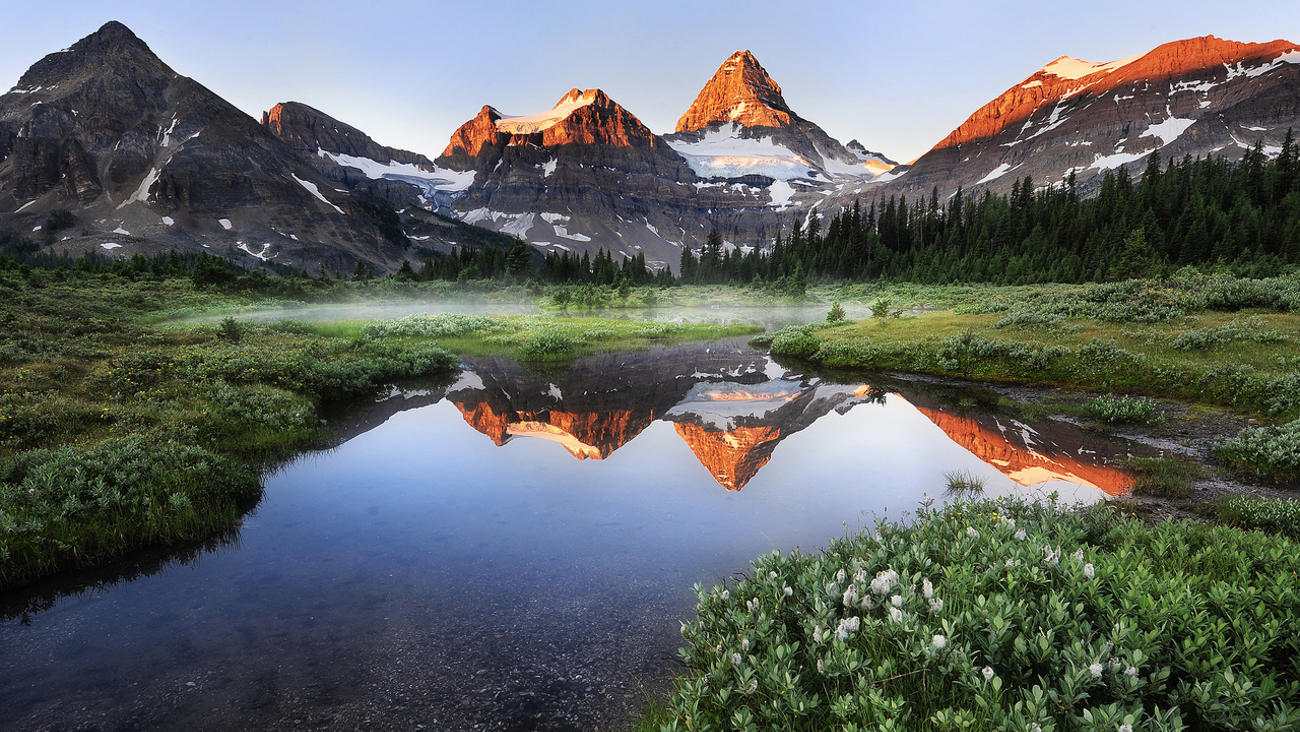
[740,91]
[111,34]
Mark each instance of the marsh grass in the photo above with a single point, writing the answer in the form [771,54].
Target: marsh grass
[1123,409]
[1120,338]
[963,484]
[1279,515]
[1162,477]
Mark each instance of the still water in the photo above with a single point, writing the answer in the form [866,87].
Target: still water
[512,550]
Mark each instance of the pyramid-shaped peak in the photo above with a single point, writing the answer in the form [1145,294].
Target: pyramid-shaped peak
[740,91]
[109,35]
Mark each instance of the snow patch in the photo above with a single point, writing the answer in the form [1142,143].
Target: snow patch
[110,245]
[120,230]
[439,179]
[168,221]
[1169,130]
[996,173]
[562,231]
[262,255]
[142,191]
[225,223]
[722,152]
[312,189]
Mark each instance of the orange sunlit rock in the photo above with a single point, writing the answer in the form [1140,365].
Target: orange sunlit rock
[741,92]
[1023,465]
[1162,64]
[594,434]
[732,456]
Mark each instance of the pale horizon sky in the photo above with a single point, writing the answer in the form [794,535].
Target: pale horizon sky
[896,76]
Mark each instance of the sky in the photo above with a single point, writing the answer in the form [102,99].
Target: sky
[898,76]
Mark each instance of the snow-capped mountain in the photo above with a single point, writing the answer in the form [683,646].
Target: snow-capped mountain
[739,124]
[1197,96]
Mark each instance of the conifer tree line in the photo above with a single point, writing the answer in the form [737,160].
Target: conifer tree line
[1203,211]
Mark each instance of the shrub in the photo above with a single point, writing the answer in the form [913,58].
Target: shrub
[1271,452]
[1255,330]
[1281,515]
[445,325]
[548,343]
[836,313]
[1003,616]
[795,341]
[1123,409]
[230,330]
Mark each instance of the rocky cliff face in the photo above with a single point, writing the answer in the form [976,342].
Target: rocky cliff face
[149,160]
[1198,96]
[310,130]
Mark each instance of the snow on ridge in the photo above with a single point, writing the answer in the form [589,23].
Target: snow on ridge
[530,123]
[312,189]
[722,152]
[1066,67]
[225,223]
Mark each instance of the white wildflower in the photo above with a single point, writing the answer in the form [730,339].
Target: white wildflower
[927,589]
[817,633]
[1078,555]
[772,574]
[753,687]
[895,615]
[884,582]
[839,576]
[726,595]
[848,626]
[1130,671]
[896,601]
[735,659]
[1052,556]
[821,668]
[938,642]
[1095,669]
[1036,727]
[936,605]
[1021,535]
[788,591]
[1011,562]
[972,533]
[1126,728]
[744,645]
[850,596]
[988,673]
[1089,571]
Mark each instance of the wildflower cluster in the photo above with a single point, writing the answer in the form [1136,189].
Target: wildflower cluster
[1003,616]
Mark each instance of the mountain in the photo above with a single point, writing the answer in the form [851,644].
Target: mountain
[587,175]
[1198,96]
[148,160]
[740,124]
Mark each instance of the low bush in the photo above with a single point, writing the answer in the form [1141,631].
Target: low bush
[445,325]
[1280,515]
[1123,409]
[992,616]
[1270,452]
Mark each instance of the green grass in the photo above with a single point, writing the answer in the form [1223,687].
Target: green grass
[1163,477]
[963,484]
[121,430]
[1119,337]
[998,615]
[1123,409]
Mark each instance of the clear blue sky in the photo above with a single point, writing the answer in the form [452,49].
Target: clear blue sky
[896,75]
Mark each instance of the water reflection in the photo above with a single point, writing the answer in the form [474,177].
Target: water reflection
[512,549]
[733,406]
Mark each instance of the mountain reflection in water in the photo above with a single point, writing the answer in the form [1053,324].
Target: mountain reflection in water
[733,407]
